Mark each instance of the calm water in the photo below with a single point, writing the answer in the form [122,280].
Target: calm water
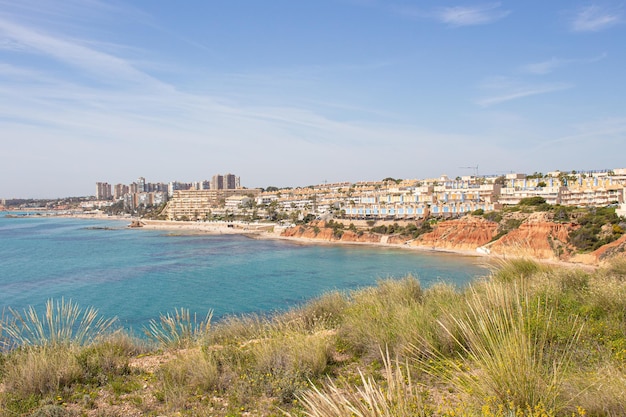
[138,274]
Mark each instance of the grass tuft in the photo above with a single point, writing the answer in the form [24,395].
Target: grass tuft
[61,323]
[40,371]
[179,330]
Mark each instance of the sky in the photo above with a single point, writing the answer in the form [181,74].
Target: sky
[293,93]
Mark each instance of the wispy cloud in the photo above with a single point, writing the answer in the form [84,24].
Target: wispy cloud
[544,67]
[454,16]
[471,15]
[550,65]
[608,131]
[504,89]
[595,18]
[97,64]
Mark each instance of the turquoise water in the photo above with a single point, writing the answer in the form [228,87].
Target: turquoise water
[138,274]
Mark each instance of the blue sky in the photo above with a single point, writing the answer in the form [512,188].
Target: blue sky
[293,93]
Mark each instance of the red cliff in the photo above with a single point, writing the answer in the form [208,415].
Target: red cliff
[466,233]
[536,239]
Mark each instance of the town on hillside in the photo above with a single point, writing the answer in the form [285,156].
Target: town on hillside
[388,199]
[223,197]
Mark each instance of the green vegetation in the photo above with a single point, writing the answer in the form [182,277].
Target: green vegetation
[598,226]
[411,230]
[530,339]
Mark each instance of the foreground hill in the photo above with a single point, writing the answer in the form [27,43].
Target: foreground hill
[529,340]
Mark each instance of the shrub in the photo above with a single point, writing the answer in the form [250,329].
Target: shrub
[107,359]
[385,315]
[532,201]
[323,312]
[292,353]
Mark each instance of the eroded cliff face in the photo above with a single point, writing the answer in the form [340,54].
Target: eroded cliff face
[466,233]
[536,239]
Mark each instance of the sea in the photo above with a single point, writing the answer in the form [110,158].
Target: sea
[138,275]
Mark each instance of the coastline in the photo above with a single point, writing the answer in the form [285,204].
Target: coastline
[274,231]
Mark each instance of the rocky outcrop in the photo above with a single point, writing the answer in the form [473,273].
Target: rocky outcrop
[466,233]
[136,223]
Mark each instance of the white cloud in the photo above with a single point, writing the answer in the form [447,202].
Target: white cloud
[471,15]
[595,18]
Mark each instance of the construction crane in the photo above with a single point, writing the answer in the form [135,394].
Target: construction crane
[474,168]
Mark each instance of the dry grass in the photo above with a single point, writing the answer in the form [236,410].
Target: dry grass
[389,314]
[396,396]
[190,372]
[40,371]
[506,341]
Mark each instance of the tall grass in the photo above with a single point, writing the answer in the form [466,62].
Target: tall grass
[385,315]
[508,354]
[41,371]
[397,396]
[62,322]
[190,372]
[178,330]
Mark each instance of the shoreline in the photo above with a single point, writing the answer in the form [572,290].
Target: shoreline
[269,231]
[273,231]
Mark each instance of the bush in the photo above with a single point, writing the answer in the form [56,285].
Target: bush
[493,216]
[386,315]
[532,201]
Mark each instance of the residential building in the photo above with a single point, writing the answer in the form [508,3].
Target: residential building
[119,190]
[197,204]
[103,191]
